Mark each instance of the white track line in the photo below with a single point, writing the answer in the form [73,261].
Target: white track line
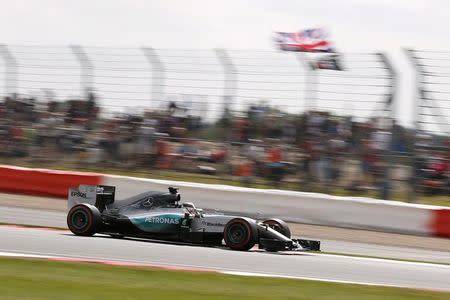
[380,259]
[372,259]
[15,254]
[251,274]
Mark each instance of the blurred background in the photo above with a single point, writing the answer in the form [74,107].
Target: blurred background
[245,117]
[186,96]
[347,98]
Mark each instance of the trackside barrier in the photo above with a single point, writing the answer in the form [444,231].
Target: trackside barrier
[301,207]
[42,182]
[440,222]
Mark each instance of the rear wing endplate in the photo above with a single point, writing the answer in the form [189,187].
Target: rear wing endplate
[98,195]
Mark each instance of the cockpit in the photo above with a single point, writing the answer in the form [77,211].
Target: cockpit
[152,200]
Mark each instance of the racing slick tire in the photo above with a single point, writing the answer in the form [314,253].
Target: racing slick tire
[240,234]
[84,219]
[279,225]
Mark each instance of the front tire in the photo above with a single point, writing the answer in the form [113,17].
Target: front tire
[240,234]
[279,225]
[84,219]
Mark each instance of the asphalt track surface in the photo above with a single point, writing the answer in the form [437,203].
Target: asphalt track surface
[62,243]
[288,264]
[16,215]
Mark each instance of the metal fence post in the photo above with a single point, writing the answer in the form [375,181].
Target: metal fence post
[390,123]
[418,97]
[230,80]
[11,70]
[310,82]
[424,101]
[158,74]
[87,69]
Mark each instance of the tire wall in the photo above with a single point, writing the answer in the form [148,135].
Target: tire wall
[43,182]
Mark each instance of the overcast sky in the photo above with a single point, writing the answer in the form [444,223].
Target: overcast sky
[355,25]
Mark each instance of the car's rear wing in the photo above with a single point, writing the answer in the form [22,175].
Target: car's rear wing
[99,195]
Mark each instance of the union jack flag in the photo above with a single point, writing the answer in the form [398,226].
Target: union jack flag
[309,40]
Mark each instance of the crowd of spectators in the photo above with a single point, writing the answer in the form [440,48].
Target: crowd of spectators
[313,148]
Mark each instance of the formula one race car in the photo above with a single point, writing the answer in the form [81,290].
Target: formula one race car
[160,216]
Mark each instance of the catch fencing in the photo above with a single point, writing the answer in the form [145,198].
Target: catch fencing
[139,79]
[431,151]
[259,118]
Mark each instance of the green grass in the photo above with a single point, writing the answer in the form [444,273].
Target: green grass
[36,279]
[436,200]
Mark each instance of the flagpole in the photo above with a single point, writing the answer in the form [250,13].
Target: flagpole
[310,83]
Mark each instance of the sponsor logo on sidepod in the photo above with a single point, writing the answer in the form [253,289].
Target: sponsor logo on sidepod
[78,194]
[217,224]
[162,220]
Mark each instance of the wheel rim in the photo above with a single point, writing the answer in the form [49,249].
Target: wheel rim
[236,234]
[79,219]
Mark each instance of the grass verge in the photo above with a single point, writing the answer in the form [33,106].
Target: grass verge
[38,279]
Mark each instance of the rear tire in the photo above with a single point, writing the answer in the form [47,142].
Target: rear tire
[279,225]
[240,234]
[84,219]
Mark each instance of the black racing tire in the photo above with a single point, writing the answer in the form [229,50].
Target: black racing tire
[84,219]
[279,225]
[240,234]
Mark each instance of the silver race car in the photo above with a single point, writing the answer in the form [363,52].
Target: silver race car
[161,216]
